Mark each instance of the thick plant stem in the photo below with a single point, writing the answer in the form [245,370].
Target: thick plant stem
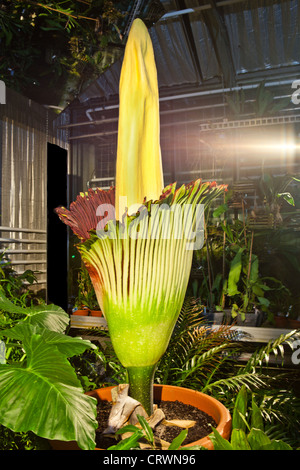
[141,385]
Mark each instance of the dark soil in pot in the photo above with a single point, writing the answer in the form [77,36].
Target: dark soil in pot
[172,410]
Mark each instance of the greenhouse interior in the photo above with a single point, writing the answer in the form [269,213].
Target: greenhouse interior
[112,337]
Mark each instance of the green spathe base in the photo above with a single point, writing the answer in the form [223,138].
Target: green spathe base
[138,338]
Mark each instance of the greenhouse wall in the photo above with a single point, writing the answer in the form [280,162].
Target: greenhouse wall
[26,129]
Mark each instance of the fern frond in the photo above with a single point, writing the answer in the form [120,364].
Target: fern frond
[261,357]
[280,409]
[235,383]
[196,351]
[202,367]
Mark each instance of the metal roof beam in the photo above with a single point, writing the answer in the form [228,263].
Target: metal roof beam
[219,35]
[218,32]
[133,14]
[190,42]
[207,6]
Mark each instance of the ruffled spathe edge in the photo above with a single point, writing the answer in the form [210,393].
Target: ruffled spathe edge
[82,216]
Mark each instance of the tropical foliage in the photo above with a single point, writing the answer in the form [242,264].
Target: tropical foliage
[58,44]
[197,357]
[248,429]
[16,285]
[86,296]
[144,431]
[43,369]
[229,269]
[210,360]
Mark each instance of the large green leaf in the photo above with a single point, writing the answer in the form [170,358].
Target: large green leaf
[65,344]
[254,269]
[44,396]
[260,441]
[257,439]
[240,410]
[256,416]
[219,442]
[52,317]
[178,440]
[234,273]
[239,440]
[277,445]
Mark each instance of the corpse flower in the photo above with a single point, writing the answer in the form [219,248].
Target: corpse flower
[137,239]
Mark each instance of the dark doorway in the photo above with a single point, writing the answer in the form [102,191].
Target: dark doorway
[57,242]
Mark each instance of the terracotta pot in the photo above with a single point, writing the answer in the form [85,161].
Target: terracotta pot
[96,313]
[204,402]
[281,322]
[285,322]
[294,324]
[84,312]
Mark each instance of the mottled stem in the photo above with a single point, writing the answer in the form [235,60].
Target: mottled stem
[141,385]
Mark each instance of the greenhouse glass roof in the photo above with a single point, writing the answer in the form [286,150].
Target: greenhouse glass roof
[210,44]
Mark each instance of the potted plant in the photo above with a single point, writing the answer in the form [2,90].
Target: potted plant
[137,239]
[86,300]
[209,269]
[273,191]
[231,285]
[236,285]
[170,393]
[39,368]
[80,309]
[293,315]
[249,292]
[246,289]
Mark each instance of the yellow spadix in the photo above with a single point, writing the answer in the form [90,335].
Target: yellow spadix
[139,168]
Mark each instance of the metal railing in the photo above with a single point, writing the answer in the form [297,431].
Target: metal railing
[25,261]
